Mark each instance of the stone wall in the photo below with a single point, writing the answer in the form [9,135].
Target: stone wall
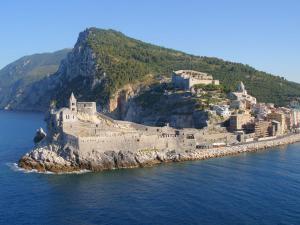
[187,82]
[86,107]
[131,142]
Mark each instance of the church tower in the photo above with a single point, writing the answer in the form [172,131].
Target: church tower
[73,103]
[241,88]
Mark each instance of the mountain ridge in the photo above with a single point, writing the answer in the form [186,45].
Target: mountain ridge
[17,76]
[103,61]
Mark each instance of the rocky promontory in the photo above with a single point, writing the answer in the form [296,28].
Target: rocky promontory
[49,157]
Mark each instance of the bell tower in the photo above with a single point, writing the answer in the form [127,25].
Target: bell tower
[241,88]
[73,103]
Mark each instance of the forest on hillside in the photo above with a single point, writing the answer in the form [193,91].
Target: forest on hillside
[127,60]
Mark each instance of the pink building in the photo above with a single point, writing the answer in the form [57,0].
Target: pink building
[295,118]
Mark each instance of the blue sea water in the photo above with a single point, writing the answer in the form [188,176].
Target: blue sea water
[253,188]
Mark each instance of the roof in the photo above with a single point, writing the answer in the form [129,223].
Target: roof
[72,96]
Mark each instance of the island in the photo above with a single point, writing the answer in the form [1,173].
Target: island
[79,137]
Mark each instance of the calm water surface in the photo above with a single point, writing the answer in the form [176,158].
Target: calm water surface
[253,188]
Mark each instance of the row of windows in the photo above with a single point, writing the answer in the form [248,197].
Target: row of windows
[68,117]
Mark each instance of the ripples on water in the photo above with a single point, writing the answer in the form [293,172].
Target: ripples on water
[254,188]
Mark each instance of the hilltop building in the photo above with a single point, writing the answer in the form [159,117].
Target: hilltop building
[185,79]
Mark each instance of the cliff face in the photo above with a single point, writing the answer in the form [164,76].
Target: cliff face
[76,72]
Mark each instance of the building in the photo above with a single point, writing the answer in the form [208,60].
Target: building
[276,129]
[295,103]
[82,107]
[85,131]
[281,118]
[238,104]
[261,110]
[263,129]
[70,115]
[240,99]
[222,110]
[295,118]
[240,121]
[185,79]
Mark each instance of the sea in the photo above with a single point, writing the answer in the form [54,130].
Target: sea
[250,188]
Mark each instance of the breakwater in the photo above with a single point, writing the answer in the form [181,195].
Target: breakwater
[241,148]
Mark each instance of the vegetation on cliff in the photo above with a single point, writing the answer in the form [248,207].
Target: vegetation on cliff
[17,77]
[103,61]
[29,69]
[126,60]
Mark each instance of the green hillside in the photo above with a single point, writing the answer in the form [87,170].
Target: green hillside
[17,78]
[126,60]
[103,61]
[31,68]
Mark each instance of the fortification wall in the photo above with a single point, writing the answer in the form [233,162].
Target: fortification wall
[132,142]
[193,81]
[180,82]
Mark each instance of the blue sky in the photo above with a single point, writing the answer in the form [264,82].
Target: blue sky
[262,33]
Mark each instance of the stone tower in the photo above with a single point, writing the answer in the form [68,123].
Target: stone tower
[73,103]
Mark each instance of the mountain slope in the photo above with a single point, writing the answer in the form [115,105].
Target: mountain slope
[19,75]
[103,62]
[119,60]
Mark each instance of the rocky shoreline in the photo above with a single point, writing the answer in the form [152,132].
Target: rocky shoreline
[52,158]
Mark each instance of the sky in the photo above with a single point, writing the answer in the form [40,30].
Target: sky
[264,34]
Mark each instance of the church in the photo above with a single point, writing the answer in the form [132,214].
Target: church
[240,99]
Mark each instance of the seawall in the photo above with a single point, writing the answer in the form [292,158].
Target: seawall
[50,158]
[247,147]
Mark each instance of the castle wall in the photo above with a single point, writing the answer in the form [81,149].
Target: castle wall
[180,82]
[194,81]
[186,82]
[67,116]
[132,142]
